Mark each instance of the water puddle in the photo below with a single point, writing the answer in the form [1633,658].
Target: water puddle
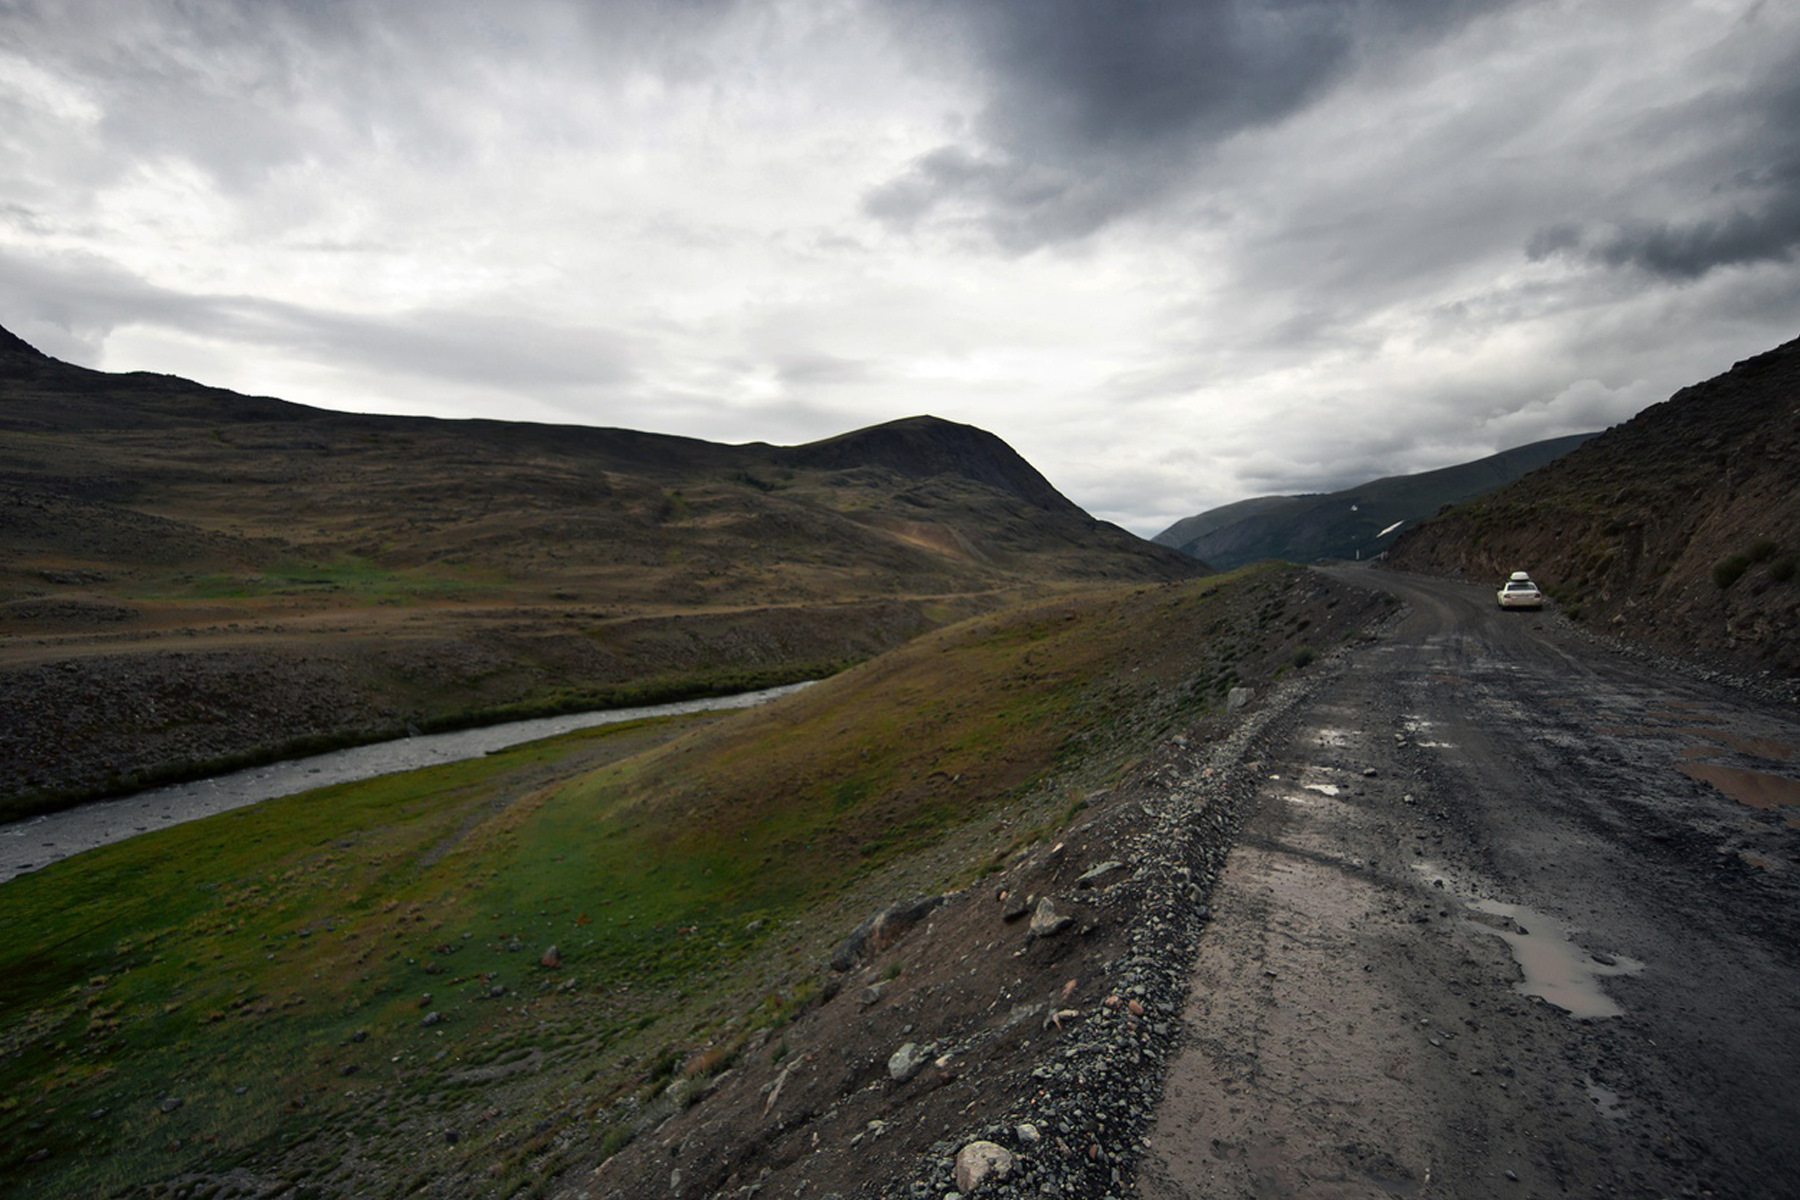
[1555,968]
[1609,1102]
[1418,728]
[1758,789]
[1757,747]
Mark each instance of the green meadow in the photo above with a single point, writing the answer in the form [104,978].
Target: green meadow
[362,969]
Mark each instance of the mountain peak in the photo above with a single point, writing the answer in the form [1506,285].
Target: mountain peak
[924,446]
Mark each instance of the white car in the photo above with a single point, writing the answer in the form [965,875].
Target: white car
[1519,592]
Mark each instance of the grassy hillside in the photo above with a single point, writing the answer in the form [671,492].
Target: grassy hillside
[190,577]
[1679,528]
[347,990]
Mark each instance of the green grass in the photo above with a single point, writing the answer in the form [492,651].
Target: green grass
[347,576]
[242,963]
[243,952]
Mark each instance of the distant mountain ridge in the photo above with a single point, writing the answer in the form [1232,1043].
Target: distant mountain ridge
[1357,522]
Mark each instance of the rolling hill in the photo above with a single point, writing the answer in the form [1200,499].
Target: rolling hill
[1358,522]
[190,577]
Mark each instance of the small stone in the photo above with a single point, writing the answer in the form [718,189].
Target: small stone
[1045,922]
[906,1062]
[551,958]
[978,1162]
[1096,873]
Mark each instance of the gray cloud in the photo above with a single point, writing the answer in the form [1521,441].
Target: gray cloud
[1740,181]
[79,301]
[1299,243]
[1094,110]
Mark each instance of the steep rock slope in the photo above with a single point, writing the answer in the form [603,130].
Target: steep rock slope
[1356,522]
[1679,528]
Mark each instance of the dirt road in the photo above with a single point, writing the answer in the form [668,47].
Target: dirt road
[1510,916]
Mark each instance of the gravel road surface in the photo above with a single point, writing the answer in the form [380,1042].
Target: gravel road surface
[1510,915]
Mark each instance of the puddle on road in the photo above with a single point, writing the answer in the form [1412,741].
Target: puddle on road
[1758,789]
[1310,781]
[1418,728]
[1755,747]
[1609,1102]
[1556,969]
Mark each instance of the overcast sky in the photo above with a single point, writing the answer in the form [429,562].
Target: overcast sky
[1176,253]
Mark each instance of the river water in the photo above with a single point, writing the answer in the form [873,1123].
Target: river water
[38,841]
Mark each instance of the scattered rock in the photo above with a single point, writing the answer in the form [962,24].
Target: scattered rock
[978,1162]
[906,1062]
[882,930]
[551,958]
[1046,921]
[1096,873]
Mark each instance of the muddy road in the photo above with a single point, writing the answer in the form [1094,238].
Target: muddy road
[1511,915]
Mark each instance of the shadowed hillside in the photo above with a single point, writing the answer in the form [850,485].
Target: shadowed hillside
[190,577]
[1358,522]
[1679,528]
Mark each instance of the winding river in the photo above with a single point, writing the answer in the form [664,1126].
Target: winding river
[38,841]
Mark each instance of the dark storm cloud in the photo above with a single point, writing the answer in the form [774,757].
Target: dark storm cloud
[1094,110]
[1743,177]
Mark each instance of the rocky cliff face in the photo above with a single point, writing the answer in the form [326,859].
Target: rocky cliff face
[1679,528]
